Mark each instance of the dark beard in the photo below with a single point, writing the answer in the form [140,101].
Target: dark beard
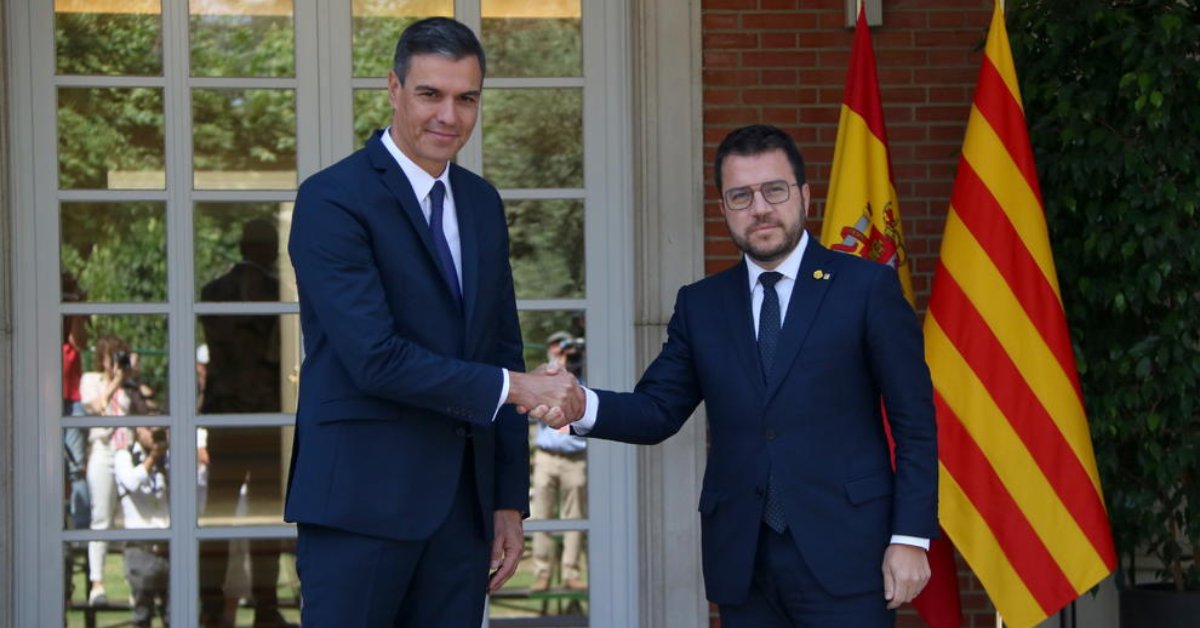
[767,256]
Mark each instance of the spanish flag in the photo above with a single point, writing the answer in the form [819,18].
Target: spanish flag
[1019,493]
[862,217]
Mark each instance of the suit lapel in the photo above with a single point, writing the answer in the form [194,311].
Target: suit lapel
[807,295]
[394,180]
[465,202]
[740,317]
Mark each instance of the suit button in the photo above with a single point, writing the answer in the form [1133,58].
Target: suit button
[770,434]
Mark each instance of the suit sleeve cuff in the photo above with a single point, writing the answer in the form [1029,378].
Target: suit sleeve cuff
[588,420]
[503,395]
[916,541]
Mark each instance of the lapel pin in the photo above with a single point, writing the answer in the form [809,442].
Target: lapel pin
[818,274]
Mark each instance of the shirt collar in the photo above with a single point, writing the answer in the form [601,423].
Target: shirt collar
[420,180]
[789,267]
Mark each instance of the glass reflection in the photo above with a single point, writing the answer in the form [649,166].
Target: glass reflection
[247,363]
[110,138]
[372,111]
[114,252]
[377,24]
[124,370]
[234,38]
[533,138]
[539,327]
[249,582]
[546,248]
[108,38]
[131,589]
[242,473]
[247,244]
[244,139]
[525,595]
[517,36]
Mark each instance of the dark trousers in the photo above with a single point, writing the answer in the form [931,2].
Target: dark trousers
[351,580]
[786,594]
[147,570]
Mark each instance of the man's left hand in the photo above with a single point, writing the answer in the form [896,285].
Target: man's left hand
[905,573]
[507,547]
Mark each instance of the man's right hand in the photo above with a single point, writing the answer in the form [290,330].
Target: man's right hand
[547,394]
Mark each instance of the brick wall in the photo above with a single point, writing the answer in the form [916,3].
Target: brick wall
[783,62]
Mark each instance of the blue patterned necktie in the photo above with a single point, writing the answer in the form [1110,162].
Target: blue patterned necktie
[768,340]
[437,198]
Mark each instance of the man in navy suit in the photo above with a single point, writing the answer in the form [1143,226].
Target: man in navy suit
[804,521]
[409,458]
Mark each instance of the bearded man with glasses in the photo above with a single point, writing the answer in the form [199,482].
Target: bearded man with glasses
[804,520]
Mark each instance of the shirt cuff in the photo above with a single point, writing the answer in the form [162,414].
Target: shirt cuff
[503,395]
[588,420]
[900,539]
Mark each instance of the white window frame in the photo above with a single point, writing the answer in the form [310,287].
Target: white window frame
[324,101]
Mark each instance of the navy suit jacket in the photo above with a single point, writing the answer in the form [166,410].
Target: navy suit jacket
[848,338]
[396,374]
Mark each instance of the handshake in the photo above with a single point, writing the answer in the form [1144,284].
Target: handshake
[549,394]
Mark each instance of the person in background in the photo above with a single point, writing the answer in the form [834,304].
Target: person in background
[559,479]
[141,470]
[105,392]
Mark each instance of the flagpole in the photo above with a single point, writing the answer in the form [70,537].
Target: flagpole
[999,620]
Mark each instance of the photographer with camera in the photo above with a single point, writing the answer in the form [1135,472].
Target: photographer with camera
[141,474]
[559,478]
[112,390]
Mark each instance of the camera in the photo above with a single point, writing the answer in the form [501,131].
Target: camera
[122,360]
[572,351]
[159,434]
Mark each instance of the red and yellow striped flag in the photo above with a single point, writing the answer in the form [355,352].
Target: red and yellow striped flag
[862,217]
[1019,491]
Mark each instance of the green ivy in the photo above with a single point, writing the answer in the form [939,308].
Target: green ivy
[1110,93]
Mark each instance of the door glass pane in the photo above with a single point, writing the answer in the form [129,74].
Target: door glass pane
[546,248]
[377,24]
[110,138]
[247,363]
[551,589]
[533,138]
[533,38]
[242,472]
[122,363]
[372,111]
[124,471]
[237,238]
[114,252]
[238,38]
[248,582]
[541,328]
[121,580]
[244,139]
[108,37]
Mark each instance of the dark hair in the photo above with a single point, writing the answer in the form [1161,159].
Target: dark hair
[757,139]
[440,36]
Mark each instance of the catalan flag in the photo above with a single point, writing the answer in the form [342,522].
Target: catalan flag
[862,217]
[1019,493]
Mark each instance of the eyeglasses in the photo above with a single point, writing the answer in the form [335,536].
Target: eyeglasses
[774,192]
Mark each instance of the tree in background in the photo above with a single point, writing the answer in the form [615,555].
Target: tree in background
[1110,93]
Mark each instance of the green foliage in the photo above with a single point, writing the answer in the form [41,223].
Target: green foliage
[1110,91]
[117,251]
